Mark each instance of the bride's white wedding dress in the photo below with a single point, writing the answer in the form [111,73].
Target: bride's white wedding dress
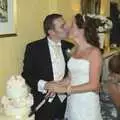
[81,106]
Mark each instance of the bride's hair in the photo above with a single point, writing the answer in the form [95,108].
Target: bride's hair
[89,25]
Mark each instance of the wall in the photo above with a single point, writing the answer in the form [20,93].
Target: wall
[29,21]
[68,7]
[30,15]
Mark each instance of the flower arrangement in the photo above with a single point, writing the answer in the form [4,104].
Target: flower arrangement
[103,23]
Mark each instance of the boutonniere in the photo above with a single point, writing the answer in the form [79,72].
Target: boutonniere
[69,52]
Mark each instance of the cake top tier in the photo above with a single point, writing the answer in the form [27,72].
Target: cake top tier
[16,87]
[16,81]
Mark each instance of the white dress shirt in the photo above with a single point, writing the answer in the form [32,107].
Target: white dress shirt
[58,62]
[58,65]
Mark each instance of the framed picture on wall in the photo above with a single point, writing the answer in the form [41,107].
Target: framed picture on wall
[7,17]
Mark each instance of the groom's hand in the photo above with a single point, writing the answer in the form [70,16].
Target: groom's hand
[50,94]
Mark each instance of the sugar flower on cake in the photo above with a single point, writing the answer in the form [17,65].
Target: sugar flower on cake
[5,101]
[15,81]
[30,100]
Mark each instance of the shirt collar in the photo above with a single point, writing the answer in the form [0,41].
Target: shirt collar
[51,42]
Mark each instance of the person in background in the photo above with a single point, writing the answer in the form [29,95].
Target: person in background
[84,67]
[45,60]
[115,17]
[110,93]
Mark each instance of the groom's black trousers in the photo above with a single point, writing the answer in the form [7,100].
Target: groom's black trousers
[51,111]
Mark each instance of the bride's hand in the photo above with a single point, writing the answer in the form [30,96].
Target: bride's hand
[56,87]
[56,83]
[50,84]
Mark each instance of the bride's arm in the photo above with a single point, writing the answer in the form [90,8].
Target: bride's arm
[95,60]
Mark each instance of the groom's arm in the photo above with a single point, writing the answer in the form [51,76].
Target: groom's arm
[28,63]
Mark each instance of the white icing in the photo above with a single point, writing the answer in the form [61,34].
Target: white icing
[16,92]
[18,100]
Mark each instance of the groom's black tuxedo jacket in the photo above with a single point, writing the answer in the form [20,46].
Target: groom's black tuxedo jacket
[38,65]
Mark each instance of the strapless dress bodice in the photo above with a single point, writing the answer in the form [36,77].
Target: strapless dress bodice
[79,69]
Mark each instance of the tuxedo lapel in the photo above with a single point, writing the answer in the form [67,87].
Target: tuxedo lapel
[47,61]
[64,51]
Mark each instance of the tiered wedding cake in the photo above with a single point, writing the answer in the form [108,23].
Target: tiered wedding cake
[18,100]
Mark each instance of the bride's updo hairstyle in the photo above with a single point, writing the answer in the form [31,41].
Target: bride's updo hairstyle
[90,30]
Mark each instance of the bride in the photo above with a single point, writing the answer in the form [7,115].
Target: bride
[84,66]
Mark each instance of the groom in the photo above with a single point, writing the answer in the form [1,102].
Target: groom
[46,60]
